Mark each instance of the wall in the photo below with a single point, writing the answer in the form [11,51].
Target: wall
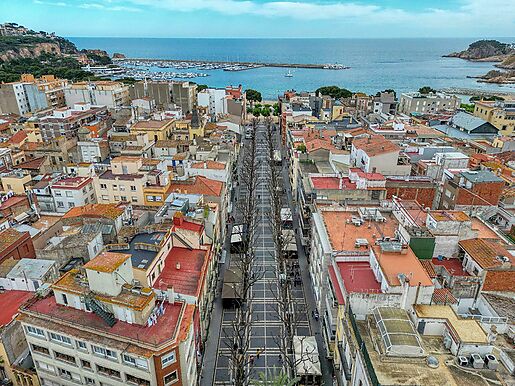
[363,303]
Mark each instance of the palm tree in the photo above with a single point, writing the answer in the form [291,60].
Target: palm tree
[275,378]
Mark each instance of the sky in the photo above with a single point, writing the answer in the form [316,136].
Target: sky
[265,18]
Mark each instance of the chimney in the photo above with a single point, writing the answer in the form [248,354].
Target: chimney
[374,169]
[178,266]
[170,294]
[178,218]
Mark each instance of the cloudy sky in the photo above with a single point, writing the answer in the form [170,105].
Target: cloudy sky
[265,18]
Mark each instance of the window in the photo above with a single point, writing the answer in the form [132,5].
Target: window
[116,198]
[85,364]
[109,372]
[134,199]
[115,187]
[71,204]
[57,193]
[103,186]
[45,367]
[81,345]
[65,299]
[104,352]
[105,198]
[137,362]
[122,188]
[60,339]
[168,359]
[89,381]
[133,188]
[68,193]
[65,358]
[35,331]
[69,375]
[171,378]
[123,198]
[40,349]
[60,204]
[137,381]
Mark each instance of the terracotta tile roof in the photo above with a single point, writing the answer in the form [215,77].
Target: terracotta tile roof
[31,145]
[8,237]
[484,252]
[32,164]
[107,261]
[18,138]
[443,296]
[500,281]
[199,185]
[208,165]
[112,211]
[11,302]
[11,201]
[152,124]
[428,266]
[375,145]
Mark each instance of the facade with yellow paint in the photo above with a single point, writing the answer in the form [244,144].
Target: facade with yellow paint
[15,182]
[501,114]
[156,130]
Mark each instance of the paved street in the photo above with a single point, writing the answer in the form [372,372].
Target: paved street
[266,327]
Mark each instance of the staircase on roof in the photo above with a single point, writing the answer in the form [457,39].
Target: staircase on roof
[100,310]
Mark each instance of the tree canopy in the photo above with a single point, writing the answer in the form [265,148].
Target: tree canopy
[334,92]
[253,95]
[201,87]
[426,90]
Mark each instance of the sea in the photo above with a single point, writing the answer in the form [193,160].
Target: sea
[375,64]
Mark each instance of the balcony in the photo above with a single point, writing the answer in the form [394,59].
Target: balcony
[107,372]
[132,380]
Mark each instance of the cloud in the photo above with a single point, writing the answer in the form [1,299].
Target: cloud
[481,11]
[51,3]
[115,8]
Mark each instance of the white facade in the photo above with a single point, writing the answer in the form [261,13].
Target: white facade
[90,151]
[214,100]
[67,198]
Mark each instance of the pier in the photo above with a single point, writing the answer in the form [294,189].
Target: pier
[478,92]
[242,65]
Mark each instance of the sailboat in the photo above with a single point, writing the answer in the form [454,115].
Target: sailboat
[288,74]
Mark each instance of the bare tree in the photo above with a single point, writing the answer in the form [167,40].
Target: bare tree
[243,260]
[287,273]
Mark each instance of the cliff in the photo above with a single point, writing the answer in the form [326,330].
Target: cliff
[32,51]
[508,63]
[32,46]
[486,51]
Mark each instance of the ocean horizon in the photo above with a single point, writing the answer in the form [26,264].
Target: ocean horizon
[402,64]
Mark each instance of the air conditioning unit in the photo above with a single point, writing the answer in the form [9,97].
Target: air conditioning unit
[477,361]
[491,361]
[463,361]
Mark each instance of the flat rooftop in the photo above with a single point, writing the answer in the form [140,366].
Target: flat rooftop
[358,277]
[343,235]
[332,183]
[164,330]
[11,301]
[142,258]
[414,371]
[453,266]
[34,269]
[468,330]
[183,270]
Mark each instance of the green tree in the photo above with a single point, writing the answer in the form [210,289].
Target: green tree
[201,87]
[486,98]
[334,92]
[276,109]
[253,95]
[274,377]
[256,111]
[426,90]
[467,107]
[301,148]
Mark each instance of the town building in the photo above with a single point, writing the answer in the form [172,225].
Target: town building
[67,121]
[98,93]
[96,328]
[15,245]
[501,114]
[467,126]
[167,94]
[375,153]
[416,102]
[155,130]
[70,192]
[468,190]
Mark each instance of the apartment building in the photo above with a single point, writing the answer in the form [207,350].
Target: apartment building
[71,192]
[375,153]
[14,99]
[167,94]
[101,93]
[415,102]
[45,92]
[501,114]
[155,130]
[101,327]
[67,121]
[137,180]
